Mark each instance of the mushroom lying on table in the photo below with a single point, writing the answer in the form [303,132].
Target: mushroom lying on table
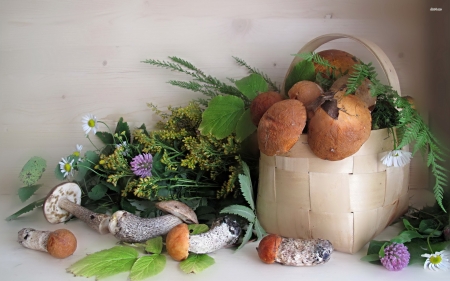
[60,243]
[130,228]
[64,201]
[223,232]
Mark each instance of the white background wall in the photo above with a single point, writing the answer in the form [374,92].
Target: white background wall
[62,59]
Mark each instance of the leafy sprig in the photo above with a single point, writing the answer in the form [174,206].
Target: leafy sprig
[253,70]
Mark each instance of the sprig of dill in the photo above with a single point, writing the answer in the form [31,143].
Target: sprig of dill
[252,70]
[205,84]
[409,122]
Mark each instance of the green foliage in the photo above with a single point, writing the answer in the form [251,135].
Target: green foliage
[252,85]
[196,263]
[245,126]
[303,70]
[240,210]
[28,208]
[154,245]
[32,171]
[27,191]
[98,192]
[105,263]
[197,228]
[273,86]
[147,266]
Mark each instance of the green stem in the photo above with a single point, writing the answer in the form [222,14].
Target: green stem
[87,136]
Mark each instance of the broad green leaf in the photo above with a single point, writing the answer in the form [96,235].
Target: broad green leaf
[240,210]
[416,248]
[154,245]
[197,228]
[408,225]
[221,116]
[259,230]
[303,70]
[28,208]
[111,186]
[425,225]
[105,263]
[90,159]
[147,266]
[247,236]
[32,170]
[105,137]
[98,192]
[247,189]
[245,126]
[27,191]
[196,263]
[252,85]
[406,236]
[371,257]
[375,248]
[122,128]
[144,129]
[58,174]
[126,205]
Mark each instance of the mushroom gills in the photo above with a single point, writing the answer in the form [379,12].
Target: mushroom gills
[224,232]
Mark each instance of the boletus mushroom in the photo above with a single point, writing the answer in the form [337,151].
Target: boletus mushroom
[63,202]
[296,252]
[339,126]
[342,61]
[362,92]
[60,243]
[130,228]
[306,92]
[262,103]
[223,232]
[281,126]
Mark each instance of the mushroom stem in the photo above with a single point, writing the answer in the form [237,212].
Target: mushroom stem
[98,222]
[34,239]
[130,228]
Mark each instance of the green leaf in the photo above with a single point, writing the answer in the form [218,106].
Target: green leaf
[122,127]
[32,170]
[105,263]
[371,257]
[147,266]
[252,85]
[259,230]
[27,191]
[98,192]
[246,187]
[245,126]
[58,174]
[247,236]
[105,137]
[197,228]
[408,225]
[90,159]
[416,248]
[196,263]
[240,210]
[221,116]
[28,208]
[154,245]
[406,236]
[426,225]
[126,205]
[303,70]
[111,186]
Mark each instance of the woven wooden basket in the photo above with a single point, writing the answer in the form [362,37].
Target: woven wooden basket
[347,202]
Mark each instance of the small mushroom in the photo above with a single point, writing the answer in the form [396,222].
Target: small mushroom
[296,252]
[224,232]
[64,201]
[131,228]
[60,243]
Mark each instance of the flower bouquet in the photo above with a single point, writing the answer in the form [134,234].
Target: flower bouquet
[200,153]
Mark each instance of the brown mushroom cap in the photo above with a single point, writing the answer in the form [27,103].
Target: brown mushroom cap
[177,242]
[262,103]
[343,61]
[268,248]
[61,243]
[335,139]
[52,212]
[178,209]
[363,91]
[281,126]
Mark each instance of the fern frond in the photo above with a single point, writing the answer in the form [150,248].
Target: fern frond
[251,70]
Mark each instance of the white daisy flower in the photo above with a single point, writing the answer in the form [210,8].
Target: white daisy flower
[126,150]
[78,148]
[437,261]
[66,167]
[397,158]
[90,123]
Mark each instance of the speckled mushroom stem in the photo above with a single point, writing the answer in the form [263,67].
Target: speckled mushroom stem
[33,239]
[98,222]
[224,232]
[130,228]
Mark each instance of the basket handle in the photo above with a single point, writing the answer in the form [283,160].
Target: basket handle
[381,57]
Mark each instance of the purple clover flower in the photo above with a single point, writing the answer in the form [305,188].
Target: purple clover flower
[141,165]
[396,257]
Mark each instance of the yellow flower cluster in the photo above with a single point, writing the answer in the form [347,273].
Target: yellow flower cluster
[115,164]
